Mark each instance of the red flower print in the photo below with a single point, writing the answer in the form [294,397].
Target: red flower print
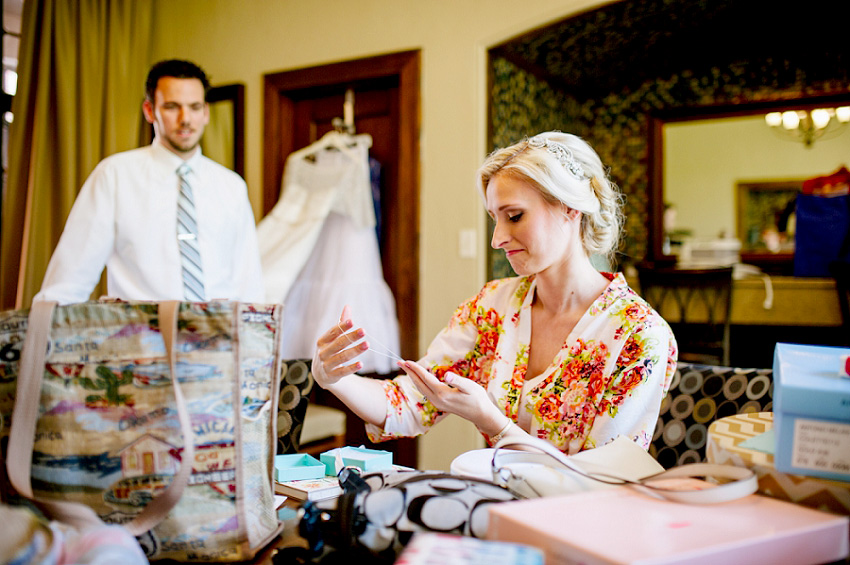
[635,312]
[487,342]
[628,380]
[490,319]
[632,352]
[396,397]
[518,376]
[596,384]
[549,408]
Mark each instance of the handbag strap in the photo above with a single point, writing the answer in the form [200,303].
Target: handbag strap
[162,504]
[539,445]
[25,414]
[26,411]
[742,481]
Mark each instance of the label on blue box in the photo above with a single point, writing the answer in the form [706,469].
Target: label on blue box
[821,446]
[811,411]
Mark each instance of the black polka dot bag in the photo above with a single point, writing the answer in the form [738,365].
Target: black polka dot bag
[378,512]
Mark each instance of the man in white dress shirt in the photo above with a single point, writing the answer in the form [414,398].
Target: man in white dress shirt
[125,216]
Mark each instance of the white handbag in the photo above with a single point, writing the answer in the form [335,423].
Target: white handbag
[536,468]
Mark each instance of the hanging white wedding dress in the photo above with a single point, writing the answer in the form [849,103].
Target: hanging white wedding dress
[319,251]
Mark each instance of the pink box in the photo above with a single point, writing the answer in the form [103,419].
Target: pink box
[621,525]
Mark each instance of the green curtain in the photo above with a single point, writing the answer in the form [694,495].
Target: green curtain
[81,73]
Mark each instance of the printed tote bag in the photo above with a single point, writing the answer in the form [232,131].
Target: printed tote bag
[158,417]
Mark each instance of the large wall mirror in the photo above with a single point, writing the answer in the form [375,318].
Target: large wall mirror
[626,70]
[720,172]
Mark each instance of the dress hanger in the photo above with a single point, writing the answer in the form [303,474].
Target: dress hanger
[342,138]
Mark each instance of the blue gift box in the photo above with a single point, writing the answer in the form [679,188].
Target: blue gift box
[811,411]
[296,467]
[361,457]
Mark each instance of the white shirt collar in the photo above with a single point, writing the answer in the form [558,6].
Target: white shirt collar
[173,161]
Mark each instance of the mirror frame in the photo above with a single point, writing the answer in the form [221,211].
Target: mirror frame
[655,167]
[236,94]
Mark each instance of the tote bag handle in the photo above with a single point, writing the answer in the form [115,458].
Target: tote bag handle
[25,415]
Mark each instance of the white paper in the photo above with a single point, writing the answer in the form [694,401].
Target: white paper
[622,458]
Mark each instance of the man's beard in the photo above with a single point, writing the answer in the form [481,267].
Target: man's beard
[183,148]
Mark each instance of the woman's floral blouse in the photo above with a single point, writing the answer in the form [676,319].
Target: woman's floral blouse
[608,379]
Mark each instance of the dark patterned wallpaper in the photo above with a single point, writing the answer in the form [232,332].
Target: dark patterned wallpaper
[525,102]
[522,105]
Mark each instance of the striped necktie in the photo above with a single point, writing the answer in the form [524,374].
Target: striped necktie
[187,239]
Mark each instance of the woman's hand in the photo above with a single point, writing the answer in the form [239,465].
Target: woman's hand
[336,348]
[457,395]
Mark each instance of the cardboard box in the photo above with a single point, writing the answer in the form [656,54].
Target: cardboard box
[811,411]
[297,466]
[623,526]
[363,458]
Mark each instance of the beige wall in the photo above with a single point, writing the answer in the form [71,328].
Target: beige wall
[704,160]
[239,41]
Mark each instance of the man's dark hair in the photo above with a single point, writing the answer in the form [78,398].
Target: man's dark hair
[174,68]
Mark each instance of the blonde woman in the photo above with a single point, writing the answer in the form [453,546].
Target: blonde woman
[560,352]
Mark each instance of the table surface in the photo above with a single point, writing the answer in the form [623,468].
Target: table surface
[724,437]
[797,301]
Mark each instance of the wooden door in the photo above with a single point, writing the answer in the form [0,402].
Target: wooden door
[299,107]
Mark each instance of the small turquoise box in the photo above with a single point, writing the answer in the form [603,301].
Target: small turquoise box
[361,457]
[297,466]
[811,411]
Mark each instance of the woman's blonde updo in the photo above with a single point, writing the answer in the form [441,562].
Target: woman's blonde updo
[566,170]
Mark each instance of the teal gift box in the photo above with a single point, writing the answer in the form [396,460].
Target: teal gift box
[296,467]
[361,457]
[811,411]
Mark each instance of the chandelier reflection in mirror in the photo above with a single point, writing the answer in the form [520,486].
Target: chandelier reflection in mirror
[809,125]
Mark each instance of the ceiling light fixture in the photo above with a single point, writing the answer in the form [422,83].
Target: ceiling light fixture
[809,125]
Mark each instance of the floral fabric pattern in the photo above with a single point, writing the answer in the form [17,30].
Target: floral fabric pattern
[607,380]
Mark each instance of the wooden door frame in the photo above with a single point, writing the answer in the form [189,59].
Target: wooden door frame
[403,232]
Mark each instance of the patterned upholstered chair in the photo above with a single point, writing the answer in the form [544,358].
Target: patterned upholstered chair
[302,426]
[296,382]
[698,395]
